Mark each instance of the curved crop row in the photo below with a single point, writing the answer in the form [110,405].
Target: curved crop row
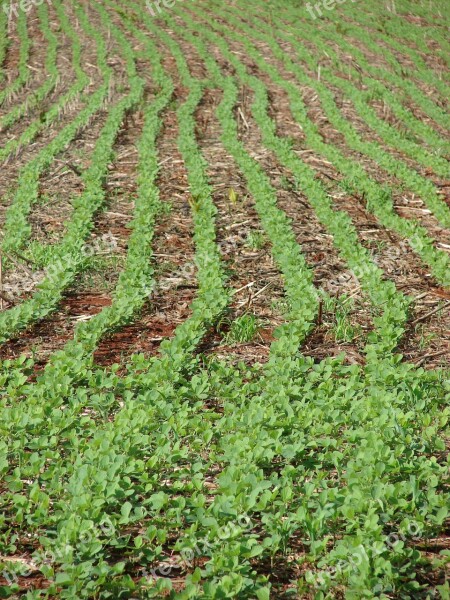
[245,486]
[125,428]
[375,83]
[417,34]
[211,300]
[398,74]
[37,97]
[4,41]
[390,326]
[377,90]
[359,98]
[190,477]
[379,199]
[67,256]
[135,281]
[24,53]
[52,114]
[287,253]
[420,98]
[420,68]
[136,276]
[212,297]
[17,229]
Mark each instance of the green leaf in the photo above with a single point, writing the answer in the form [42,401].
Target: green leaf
[126,510]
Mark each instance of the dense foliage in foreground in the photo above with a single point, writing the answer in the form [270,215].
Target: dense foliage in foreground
[184,474]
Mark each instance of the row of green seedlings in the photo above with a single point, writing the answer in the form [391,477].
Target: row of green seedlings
[356,180]
[417,56]
[432,14]
[409,176]
[62,262]
[229,567]
[56,109]
[122,449]
[51,72]
[431,17]
[276,368]
[407,86]
[360,99]
[374,89]
[135,282]
[162,372]
[212,298]
[399,34]
[375,86]
[366,33]
[209,304]
[299,288]
[276,394]
[71,252]
[234,65]
[138,372]
[221,573]
[17,229]
[4,42]
[416,34]
[229,56]
[389,327]
[24,53]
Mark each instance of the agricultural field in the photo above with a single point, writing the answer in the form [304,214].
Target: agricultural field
[224,299]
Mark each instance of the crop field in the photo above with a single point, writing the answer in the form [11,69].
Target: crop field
[224,299]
